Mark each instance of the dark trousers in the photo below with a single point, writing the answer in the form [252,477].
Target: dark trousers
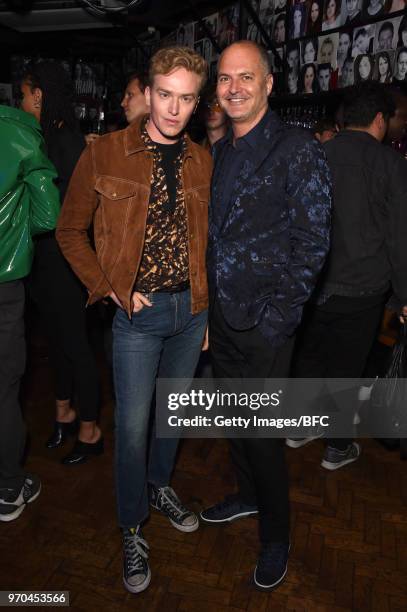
[260,465]
[61,300]
[12,365]
[335,341]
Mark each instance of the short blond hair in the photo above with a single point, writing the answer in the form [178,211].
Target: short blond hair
[165,60]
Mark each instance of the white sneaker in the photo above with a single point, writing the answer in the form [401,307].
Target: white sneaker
[298,442]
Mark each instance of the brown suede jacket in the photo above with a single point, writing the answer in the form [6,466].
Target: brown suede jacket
[110,188]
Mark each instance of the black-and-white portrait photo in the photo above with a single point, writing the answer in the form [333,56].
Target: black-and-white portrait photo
[280,6]
[383,70]
[324,73]
[253,32]
[292,82]
[332,15]
[328,49]
[346,78]
[364,66]
[278,33]
[309,50]
[373,8]
[293,56]
[186,35]
[315,12]
[387,33]
[267,14]
[308,82]
[400,65]
[351,12]
[363,39]
[344,48]
[402,34]
[228,25]
[297,20]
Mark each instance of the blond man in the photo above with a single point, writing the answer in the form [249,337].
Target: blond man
[146,190]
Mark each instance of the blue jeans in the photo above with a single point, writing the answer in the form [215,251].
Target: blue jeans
[164,341]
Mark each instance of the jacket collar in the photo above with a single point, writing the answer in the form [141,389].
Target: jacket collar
[133,143]
[362,134]
[263,135]
[15,114]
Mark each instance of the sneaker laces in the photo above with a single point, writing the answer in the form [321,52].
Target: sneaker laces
[135,552]
[169,501]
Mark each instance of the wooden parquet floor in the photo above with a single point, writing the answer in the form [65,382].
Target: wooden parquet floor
[349,531]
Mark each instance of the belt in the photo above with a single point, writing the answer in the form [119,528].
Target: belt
[175,289]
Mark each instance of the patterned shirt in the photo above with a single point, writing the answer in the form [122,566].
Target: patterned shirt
[164,262]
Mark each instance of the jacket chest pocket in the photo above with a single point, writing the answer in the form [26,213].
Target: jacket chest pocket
[115,192]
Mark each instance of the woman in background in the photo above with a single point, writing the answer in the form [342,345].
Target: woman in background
[46,91]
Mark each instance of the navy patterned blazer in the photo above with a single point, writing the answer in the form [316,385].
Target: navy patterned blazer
[265,253]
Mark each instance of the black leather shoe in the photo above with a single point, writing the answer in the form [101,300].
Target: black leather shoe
[83,451]
[61,432]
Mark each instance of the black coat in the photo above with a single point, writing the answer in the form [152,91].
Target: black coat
[369,220]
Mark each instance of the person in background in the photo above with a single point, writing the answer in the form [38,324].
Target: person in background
[214,118]
[29,206]
[325,130]
[134,101]
[145,189]
[266,247]
[47,91]
[368,253]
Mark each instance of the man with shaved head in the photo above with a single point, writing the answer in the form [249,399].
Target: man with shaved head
[268,238]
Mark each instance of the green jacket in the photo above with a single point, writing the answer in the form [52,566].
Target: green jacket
[29,199]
